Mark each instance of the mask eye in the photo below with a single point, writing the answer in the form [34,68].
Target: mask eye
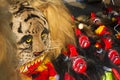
[29,40]
[43,36]
[26,38]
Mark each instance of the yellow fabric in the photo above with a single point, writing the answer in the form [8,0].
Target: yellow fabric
[99,29]
[24,77]
[52,78]
[114,19]
[108,76]
[117,35]
[42,66]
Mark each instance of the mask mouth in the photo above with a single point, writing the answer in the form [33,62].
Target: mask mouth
[29,67]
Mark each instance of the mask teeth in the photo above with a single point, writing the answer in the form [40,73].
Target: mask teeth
[38,60]
[25,69]
[33,64]
[29,64]
[21,69]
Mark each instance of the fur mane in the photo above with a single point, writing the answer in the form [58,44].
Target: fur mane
[60,22]
[7,46]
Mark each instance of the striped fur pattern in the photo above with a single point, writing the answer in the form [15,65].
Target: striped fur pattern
[31,29]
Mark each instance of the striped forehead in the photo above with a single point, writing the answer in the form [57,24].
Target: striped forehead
[24,16]
[22,23]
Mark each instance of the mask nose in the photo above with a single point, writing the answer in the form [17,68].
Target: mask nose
[38,48]
[38,53]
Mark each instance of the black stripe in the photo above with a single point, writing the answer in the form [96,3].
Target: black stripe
[26,48]
[19,29]
[22,9]
[45,31]
[31,16]
[45,20]
[11,25]
[29,27]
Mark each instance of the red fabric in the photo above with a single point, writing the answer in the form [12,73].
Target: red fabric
[78,32]
[52,71]
[104,32]
[93,15]
[98,45]
[32,68]
[84,41]
[118,36]
[110,9]
[116,73]
[79,65]
[114,56]
[107,43]
[73,51]
[118,19]
[49,72]
[43,75]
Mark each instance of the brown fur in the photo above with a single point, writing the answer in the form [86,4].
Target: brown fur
[7,46]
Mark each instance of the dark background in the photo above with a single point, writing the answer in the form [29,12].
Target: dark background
[91,6]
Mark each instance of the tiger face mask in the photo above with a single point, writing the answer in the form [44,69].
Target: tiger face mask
[31,30]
